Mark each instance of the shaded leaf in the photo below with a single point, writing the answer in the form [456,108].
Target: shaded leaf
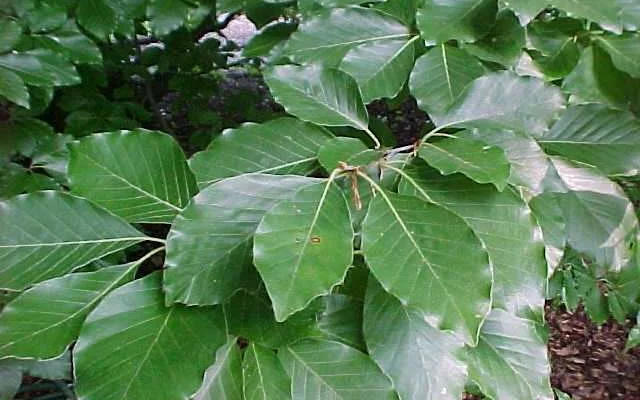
[304,246]
[267,38]
[420,359]
[209,245]
[10,32]
[504,44]
[165,16]
[131,337]
[339,149]
[624,51]
[97,17]
[452,288]
[139,175]
[57,234]
[281,146]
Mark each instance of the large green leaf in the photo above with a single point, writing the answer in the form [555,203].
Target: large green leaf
[280,146]
[327,37]
[223,380]
[144,348]
[441,75]
[461,20]
[407,244]
[304,246]
[340,149]
[139,175]
[209,245]
[403,10]
[12,88]
[420,359]
[510,361]
[505,225]
[553,46]
[473,158]
[506,100]
[264,376]
[319,95]
[69,41]
[599,136]
[97,17]
[322,369]
[28,327]
[268,38]
[47,234]
[27,67]
[624,51]
[380,68]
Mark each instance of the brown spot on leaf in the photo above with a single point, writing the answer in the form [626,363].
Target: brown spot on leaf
[315,239]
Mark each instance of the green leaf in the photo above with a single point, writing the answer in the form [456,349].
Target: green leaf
[420,359]
[403,10]
[46,16]
[505,100]
[69,41]
[553,46]
[57,234]
[319,95]
[504,44]
[165,16]
[461,20]
[441,75]
[328,37]
[380,68]
[28,67]
[267,38]
[264,376]
[139,175]
[510,361]
[10,32]
[62,72]
[281,146]
[604,13]
[322,369]
[146,349]
[13,88]
[223,380]
[504,224]
[97,17]
[452,288]
[599,136]
[304,246]
[599,216]
[341,320]
[624,51]
[209,245]
[28,327]
[596,80]
[339,149]
[473,158]
[526,10]
[250,315]
[629,14]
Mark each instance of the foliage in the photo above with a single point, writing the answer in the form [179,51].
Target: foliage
[300,263]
